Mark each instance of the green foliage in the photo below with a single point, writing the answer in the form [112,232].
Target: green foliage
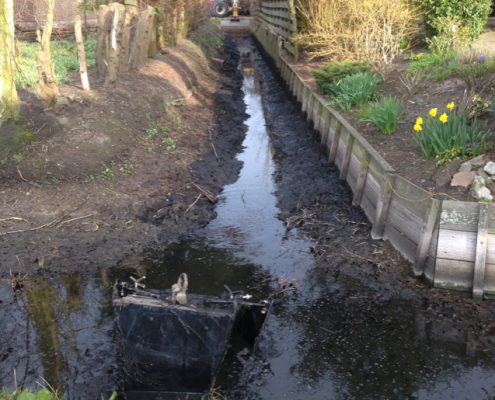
[455,137]
[169,144]
[151,132]
[127,168]
[436,66]
[108,171]
[450,35]
[355,89]
[18,157]
[64,55]
[333,72]
[90,5]
[471,14]
[384,114]
[43,394]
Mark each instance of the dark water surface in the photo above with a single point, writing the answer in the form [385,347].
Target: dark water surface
[324,342]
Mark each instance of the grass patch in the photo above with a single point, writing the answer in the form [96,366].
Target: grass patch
[355,89]
[64,54]
[384,114]
[332,73]
[436,66]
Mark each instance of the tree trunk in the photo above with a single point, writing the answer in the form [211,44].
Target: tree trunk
[131,10]
[47,84]
[9,103]
[104,21]
[81,53]
[115,42]
[141,43]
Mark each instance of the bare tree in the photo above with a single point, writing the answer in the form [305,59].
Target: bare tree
[9,103]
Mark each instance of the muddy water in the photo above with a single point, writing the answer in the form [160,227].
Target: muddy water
[332,338]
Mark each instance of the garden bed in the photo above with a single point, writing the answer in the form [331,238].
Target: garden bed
[399,149]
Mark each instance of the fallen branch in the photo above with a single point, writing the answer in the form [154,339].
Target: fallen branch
[13,219]
[210,196]
[193,204]
[25,180]
[30,229]
[75,219]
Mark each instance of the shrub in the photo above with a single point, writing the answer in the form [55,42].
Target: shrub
[438,66]
[373,31]
[355,89]
[333,72]
[472,14]
[451,34]
[450,135]
[384,114]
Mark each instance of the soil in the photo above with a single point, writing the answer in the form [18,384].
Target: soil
[399,149]
[119,169]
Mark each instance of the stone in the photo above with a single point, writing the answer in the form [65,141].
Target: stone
[463,179]
[466,167]
[479,161]
[479,191]
[444,174]
[489,168]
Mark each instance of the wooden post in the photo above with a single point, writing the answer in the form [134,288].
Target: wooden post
[335,143]
[131,10]
[81,53]
[140,45]
[425,238]
[344,170]
[383,206]
[325,126]
[104,20]
[115,42]
[361,180]
[481,247]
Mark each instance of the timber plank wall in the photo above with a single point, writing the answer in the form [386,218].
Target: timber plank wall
[450,243]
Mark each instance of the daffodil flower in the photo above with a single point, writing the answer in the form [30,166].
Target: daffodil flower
[417,127]
[419,121]
[450,106]
[443,118]
[433,112]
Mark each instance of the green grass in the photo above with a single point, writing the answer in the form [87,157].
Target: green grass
[64,55]
[355,89]
[332,73]
[384,114]
[43,394]
[437,66]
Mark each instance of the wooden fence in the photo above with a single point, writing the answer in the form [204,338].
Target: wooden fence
[450,243]
[276,21]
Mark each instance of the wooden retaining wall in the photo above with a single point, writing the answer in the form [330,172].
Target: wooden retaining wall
[450,243]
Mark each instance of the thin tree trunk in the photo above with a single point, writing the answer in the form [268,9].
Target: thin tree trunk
[115,42]
[131,10]
[81,53]
[9,103]
[104,22]
[47,83]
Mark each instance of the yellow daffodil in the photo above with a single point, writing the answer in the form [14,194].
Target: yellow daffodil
[450,106]
[417,127]
[443,118]
[433,112]
[419,121]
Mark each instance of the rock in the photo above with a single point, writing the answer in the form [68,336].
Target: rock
[489,168]
[444,174]
[463,179]
[61,103]
[466,167]
[479,161]
[479,191]
[487,179]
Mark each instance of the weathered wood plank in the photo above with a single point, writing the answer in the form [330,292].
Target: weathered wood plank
[481,247]
[454,274]
[459,215]
[427,231]
[456,245]
[325,126]
[400,241]
[344,169]
[404,220]
[368,207]
[382,206]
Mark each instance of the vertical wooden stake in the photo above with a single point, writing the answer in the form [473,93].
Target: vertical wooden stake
[383,206]
[361,180]
[481,247]
[81,53]
[425,238]
[335,143]
[344,170]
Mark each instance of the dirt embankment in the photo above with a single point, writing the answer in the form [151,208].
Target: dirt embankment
[122,168]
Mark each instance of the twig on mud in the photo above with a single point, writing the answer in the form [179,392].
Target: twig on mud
[193,204]
[13,219]
[213,144]
[30,229]
[210,196]
[75,219]
[28,181]
[17,282]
